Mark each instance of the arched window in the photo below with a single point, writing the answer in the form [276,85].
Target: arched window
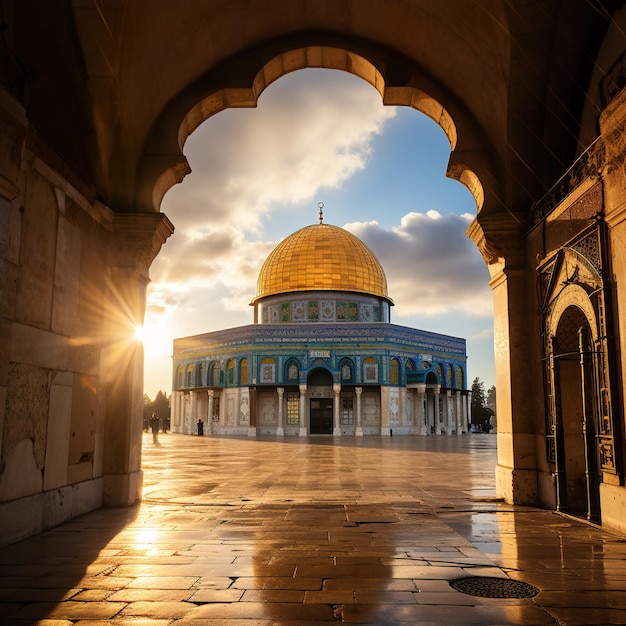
[394,372]
[179,377]
[409,367]
[231,369]
[459,377]
[346,371]
[243,372]
[292,371]
[370,370]
[449,377]
[214,375]
[439,370]
[268,371]
[200,375]
[189,375]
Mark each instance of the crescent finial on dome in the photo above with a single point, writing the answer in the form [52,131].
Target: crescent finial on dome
[320,206]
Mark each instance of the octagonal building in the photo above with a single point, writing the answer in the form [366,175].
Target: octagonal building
[322,356]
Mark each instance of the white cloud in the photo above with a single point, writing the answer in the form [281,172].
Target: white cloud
[431,265]
[311,131]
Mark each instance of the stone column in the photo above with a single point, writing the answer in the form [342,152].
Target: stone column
[458,417]
[280,431]
[208,429]
[359,428]
[449,412]
[175,405]
[500,237]
[303,427]
[137,238]
[421,410]
[612,124]
[193,412]
[336,410]
[437,406]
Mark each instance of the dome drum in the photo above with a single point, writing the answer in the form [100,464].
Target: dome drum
[321,306]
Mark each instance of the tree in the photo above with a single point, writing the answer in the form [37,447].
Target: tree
[480,413]
[161,405]
[491,399]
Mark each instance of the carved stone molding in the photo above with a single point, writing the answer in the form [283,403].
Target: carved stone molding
[499,239]
[138,238]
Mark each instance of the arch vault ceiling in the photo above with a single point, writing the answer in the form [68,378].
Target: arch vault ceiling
[109,83]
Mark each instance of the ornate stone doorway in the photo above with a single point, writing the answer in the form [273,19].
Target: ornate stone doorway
[576,416]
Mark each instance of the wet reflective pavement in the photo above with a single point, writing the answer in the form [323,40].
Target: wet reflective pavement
[306,531]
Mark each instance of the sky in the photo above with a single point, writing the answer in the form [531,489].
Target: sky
[258,176]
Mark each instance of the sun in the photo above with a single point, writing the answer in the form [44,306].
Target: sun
[140,333]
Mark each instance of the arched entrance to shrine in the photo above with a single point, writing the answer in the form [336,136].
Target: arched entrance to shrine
[321,406]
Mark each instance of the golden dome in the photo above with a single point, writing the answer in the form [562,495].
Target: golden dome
[321,257]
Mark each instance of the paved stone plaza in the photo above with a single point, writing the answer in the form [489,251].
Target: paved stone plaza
[308,531]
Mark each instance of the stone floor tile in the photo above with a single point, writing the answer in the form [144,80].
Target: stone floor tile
[69,610]
[304,584]
[268,610]
[162,582]
[158,610]
[585,616]
[152,595]
[329,597]
[92,595]
[370,596]
[216,595]
[376,584]
[273,595]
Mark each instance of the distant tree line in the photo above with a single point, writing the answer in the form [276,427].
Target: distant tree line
[160,405]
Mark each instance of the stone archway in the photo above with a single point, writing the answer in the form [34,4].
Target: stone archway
[90,150]
[469,162]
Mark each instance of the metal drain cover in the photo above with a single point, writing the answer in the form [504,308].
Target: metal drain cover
[489,587]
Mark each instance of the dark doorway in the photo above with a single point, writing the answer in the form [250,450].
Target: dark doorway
[321,412]
[577,479]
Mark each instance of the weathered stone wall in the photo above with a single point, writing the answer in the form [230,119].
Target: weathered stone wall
[53,257]
[72,288]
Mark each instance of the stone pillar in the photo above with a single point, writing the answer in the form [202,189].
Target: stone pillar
[175,404]
[460,429]
[137,239]
[612,125]
[421,410]
[449,412]
[437,417]
[208,422]
[303,427]
[359,427]
[336,409]
[208,428]
[500,237]
[280,431]
[193,412]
